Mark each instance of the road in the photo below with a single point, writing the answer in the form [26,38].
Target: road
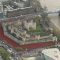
[10,50]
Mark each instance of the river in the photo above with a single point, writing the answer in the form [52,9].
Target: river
[50,4]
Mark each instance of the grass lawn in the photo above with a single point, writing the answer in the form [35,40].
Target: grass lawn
[5,55]
[39,29]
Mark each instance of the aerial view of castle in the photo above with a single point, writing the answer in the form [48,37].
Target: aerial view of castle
[30,29]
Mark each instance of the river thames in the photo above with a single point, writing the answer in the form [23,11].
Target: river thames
[50,4]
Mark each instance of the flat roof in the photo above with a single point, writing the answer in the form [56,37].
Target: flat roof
[53,53]
[50,4]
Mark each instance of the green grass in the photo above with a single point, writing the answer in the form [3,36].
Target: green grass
[39,29]
[5,55]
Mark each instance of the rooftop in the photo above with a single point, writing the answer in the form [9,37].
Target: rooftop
[53,53]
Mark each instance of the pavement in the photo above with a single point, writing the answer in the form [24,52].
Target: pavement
[10,50]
